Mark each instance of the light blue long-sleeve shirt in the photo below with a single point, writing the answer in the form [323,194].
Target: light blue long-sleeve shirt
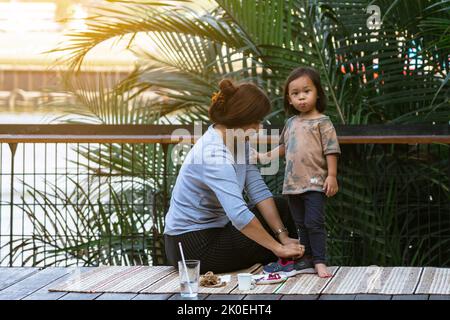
[208,192]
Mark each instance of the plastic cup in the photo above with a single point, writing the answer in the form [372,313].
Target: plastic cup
[189,287]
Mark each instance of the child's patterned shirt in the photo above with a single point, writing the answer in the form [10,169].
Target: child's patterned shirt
[307,143]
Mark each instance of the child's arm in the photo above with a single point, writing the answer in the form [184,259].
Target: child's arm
[276,153]
[331,186]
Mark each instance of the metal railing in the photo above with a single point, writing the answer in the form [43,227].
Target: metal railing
[91,195]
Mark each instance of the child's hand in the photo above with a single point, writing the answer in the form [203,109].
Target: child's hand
[264,158]
[255,156]
[330,186]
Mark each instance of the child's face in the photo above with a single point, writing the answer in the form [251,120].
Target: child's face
[303,94]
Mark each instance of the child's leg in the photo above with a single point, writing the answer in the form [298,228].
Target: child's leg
[297,208]
[281,202]
[315,224]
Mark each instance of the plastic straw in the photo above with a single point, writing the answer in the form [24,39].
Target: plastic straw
[185,267]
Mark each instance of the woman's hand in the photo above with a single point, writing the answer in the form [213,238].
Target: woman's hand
[284,239]
[290,250]
[330,186]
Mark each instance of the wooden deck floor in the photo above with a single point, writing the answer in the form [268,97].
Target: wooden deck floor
[33,284]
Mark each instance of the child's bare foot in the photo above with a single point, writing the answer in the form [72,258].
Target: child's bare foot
[322,270]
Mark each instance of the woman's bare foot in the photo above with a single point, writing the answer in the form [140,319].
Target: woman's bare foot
[322,270]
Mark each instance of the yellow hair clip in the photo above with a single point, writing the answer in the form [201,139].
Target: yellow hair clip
[217,96]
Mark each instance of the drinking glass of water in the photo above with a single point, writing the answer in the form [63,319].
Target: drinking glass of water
[189,278]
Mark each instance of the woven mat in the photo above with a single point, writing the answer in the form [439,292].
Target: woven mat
[115,279]
[346,280]
[306,283]
[171,284]
[260,289]
[141,279]
[374,280]
[434,281]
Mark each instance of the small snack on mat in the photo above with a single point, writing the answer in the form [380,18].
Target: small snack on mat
[270,278]
[210,280]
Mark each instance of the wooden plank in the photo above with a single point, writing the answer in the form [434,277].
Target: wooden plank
[91,129]
[394,139]
[434,281]
[31,284]
[9,276]
[410,297]
[79,296]
[263,297]
[162,296]
[121,134]
[53,138]
[45,294]
[300,297]
[200,296]
[337,297]
[225,297]
[439,297]
[116,296]
[373,297]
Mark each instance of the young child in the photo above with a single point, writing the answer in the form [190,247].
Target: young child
[310,145]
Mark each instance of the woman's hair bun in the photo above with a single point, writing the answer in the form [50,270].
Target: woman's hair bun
[237,105]
[227,87]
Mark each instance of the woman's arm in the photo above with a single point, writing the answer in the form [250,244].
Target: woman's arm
[222,180]
[276,153]
[255,231]
[260,195]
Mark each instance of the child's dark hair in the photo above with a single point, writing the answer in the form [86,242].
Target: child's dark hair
[238,105]
[312,74]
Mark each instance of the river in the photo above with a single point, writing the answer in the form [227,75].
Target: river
[36,165]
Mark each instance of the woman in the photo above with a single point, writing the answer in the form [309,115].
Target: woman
[207,212]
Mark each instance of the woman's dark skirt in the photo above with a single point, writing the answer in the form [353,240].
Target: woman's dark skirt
[226,249]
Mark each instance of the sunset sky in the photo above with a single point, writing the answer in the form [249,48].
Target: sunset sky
[29,28]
